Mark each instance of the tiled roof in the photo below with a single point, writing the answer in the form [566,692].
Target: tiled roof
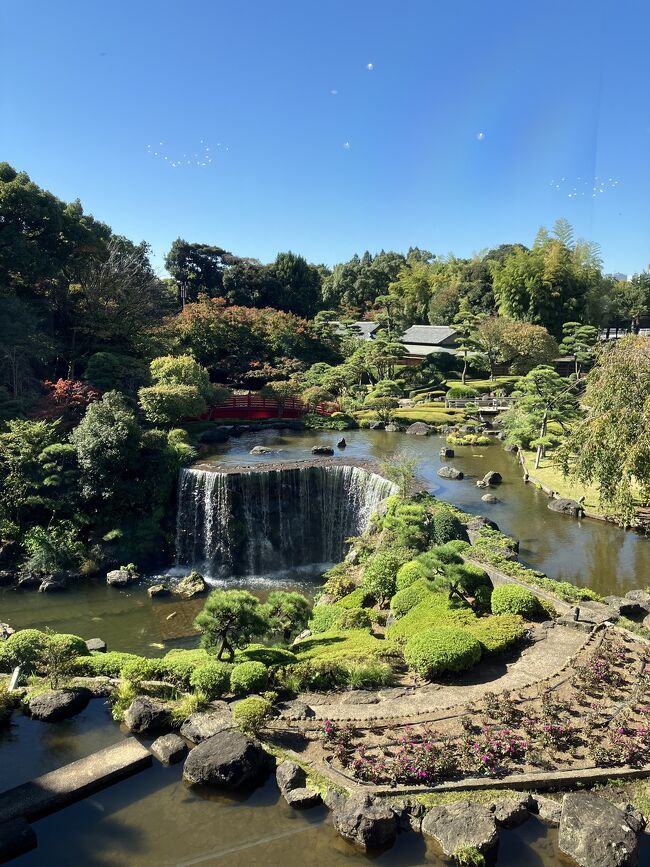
[429,335]
[360,329]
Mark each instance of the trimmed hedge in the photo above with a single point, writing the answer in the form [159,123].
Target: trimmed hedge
[435,610]
[458,392]
[498,633]
[410,596]
[409,573]
[212,678]
[248,677]
[358,598]
[440,650]
[447,527]
[514,599]
[325,617]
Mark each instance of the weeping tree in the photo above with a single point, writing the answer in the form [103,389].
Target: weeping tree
[610,445]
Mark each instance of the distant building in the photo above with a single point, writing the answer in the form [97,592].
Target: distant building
[363,330]
[619,276]
[420,340]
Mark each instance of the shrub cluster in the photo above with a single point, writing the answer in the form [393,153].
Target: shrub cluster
[249,677]
[440,650]
[514,599]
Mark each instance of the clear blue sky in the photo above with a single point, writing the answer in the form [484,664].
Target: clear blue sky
[477,123]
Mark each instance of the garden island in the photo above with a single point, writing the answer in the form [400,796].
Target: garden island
[355,554]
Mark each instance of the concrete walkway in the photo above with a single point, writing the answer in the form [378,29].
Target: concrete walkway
[73,782]
[542,660]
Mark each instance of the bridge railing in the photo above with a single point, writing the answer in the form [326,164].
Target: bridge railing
[254,406]
[485,402]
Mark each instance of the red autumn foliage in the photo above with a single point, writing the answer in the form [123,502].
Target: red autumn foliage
[66,400]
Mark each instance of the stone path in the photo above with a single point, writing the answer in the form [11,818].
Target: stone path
[540,661]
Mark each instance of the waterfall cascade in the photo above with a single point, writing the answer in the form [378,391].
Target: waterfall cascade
[253,523]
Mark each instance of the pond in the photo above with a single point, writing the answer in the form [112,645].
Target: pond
[154,818]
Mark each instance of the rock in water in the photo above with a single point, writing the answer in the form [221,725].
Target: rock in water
[121,577]
[378,425]
[192,585]
[262,450]
[228,759]
[595,833]
[450,473]
[158,590]
[341,444]
[322,450]
[169,749]
[566,507]
[368,824]
[418,428]
[58,704]
[511,812]
[493,478]
[292,782]
[447,452]
[461,825]
[146,715]
[489,498]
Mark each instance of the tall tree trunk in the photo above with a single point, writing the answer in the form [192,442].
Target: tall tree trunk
[542,434]
[464,374]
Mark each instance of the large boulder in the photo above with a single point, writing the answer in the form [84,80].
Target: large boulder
[229,759]
[322,450]
[548,810]
[461,825]
[625,607]
[641,597]
[198,727]
[192,585]
[493,478]
[511,812]
[97,645]
[566,507]
[146,715]
[169,749]
[450,473]
[419,429]
[367,823]
[292,782]
[595,833]
[122,577]
[157,590]
[58,704]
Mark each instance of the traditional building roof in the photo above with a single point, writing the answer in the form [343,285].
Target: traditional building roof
[363,330]
[429,335]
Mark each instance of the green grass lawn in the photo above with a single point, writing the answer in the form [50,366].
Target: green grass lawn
[430,413]
[551,475]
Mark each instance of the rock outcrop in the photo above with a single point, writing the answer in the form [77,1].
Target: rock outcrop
[566,507]
[419,428]
[192,585]
[169,749]
[292,782]
[461,825]
[228,759]
[367,823]
[198,727]
[145,715]
[595,833]
[122,577]
[58,704]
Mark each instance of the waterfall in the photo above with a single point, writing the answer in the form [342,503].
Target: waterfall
[255,523]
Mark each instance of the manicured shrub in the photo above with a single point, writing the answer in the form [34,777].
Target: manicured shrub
[358,598]
[311,676]
[409,597]
[434,610]
[514,599]
[440,650]
[248,677]
[103,664]
[451,551]
[137,670]
[24,648]
[266,655]
[251,713]
[211,678]
[70,643]
[381,573]
[499,632]
[458,392]
[409,573]
[178,665]
[342,646]
[325,617]
[355,618]
[447,527]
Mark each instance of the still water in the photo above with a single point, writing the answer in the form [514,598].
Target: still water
[153,819]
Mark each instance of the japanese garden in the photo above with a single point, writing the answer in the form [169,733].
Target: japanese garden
[324,434]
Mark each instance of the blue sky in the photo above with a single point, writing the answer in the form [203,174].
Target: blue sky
[478,122]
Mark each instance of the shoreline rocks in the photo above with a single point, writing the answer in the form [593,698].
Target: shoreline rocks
[229,759]
[58,704]
[565,506]
[192,585]
[292,782]
[367,823]
[450,473]
[169,749]
[198,727]
[122,577]
[595,833]
[146,715]
[461,825]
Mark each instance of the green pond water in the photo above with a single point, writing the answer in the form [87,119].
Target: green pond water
[153,818]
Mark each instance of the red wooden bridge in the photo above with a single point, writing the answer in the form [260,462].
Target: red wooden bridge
[254,406]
